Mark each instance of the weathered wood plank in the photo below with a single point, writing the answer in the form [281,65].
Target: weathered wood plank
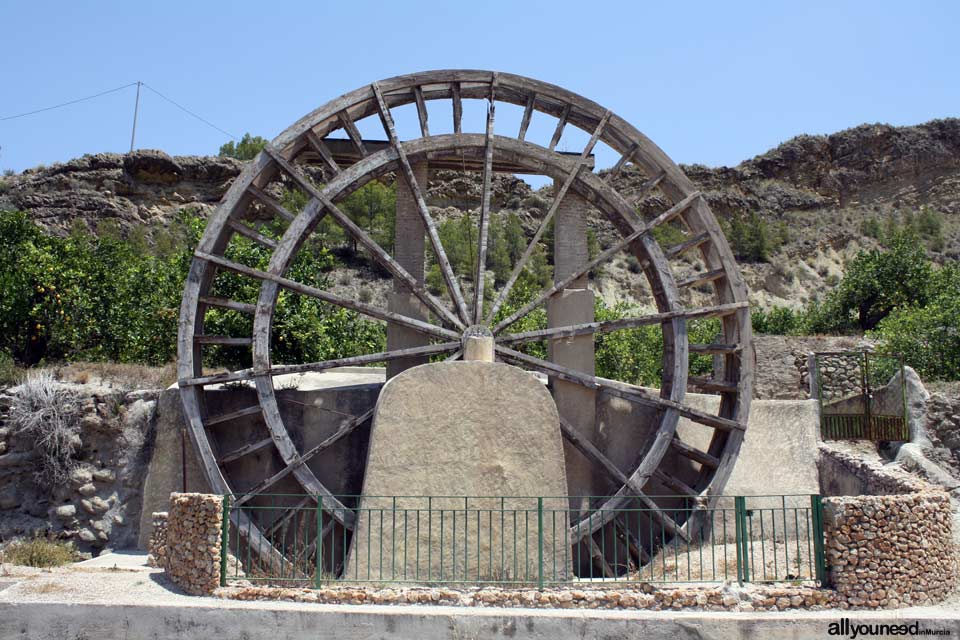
[247,232]
[457,108]
[702,278]
[479,280]
[694,454]
[245,450]
[323,151]
[225,303]
[222,340]
[271,203]
[561,123]
[233,415]
[422,114]
[527,115]
[352,132]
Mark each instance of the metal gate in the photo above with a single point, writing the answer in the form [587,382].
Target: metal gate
[861,395]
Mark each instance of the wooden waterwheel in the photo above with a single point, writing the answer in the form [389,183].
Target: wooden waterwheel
[328,140]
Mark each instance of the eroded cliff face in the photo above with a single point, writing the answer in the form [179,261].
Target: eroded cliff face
[820,189]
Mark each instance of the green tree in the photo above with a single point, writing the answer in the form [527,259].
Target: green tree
[373,208]
[246,148]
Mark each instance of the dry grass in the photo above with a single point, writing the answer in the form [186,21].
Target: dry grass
[38,552]
[115,374]
[48,412]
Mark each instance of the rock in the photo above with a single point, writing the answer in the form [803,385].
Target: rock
[152,167]
[87,536]
[105,475]
[81,475]
[94,505]
[9,497]
[66,511]
[87,490]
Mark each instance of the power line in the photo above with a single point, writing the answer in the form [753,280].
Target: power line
[66,104]
[187,111]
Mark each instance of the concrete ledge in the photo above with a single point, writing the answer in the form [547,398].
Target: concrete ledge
[41,621]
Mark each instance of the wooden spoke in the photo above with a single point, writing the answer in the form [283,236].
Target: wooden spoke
[666,216]
[714,348]
[352,132]
[711,385]
[245,450]
[233,415]
[678,249]
[223,340]
[484,224]
[638,553]
[677,485]
[247,232]
[618,389]
[456,355]
[545,223]
[587,448]
[326,296]
[272,203]
[457,107]
[527,114]
[364,239]
[421,111]
[696,455]
[624,159]
[561,124]
[701,278]
[224,303]
[453,286]
[349,361]
[606,326]
[648,185]
[285,518]
[320,147]
[331,503]
[596,554]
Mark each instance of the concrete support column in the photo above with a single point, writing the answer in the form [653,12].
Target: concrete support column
[409,242]
[574,305]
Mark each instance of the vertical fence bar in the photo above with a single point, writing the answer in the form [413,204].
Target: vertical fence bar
[224,540]
[816,513]
[742,542]
[318,547]
[540,543]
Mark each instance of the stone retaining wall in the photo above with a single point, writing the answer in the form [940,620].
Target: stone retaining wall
[890,551]
[193,541]
[157,547]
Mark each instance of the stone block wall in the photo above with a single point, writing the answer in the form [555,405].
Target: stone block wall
[193,541]
[890,551]
[157,547]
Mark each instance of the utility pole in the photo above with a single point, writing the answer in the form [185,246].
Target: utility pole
[136,108]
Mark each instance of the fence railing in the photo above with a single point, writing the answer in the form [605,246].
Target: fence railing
[519,541]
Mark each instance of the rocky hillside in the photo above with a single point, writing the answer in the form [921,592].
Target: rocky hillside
[819,189]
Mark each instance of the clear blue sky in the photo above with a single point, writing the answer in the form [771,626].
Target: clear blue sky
[710,82]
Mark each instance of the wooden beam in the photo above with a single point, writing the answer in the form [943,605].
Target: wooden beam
[607,326]
[715,348]
[364,239]
[593,454]
[326,296]
[247,232]
[681,248]
[667,215]
[708,384]
[453,286]
[222,340]
[621,162]
[271,203]
[545,223]
[619,389]
[527,114]
[225,303]
[696,455]
[674,483]
[421,111]
[245,450]
[323,151]
[352,132]
[233,415]
[484,224]
[561,123]
[702,278]
[457,107]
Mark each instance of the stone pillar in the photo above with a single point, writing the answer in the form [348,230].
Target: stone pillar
[574,305]
[409,239]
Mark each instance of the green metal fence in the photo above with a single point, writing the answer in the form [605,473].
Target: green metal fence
[519,541]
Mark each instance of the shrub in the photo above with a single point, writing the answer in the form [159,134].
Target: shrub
[10,373]
[781,321]
[246,148]
[41,552]
[48,412]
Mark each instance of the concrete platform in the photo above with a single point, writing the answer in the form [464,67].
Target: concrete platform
[87,601]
